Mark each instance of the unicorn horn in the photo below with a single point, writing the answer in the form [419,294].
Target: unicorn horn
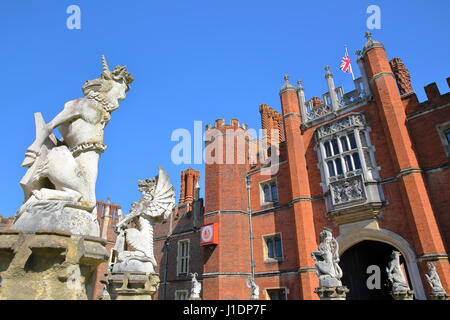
[104,64]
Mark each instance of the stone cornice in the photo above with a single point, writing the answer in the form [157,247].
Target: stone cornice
[432,257]
[379,75]
[292,114]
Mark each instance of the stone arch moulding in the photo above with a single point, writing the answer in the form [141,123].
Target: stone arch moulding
[382,235]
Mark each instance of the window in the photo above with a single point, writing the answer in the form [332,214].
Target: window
[444,134]
[273,249]
[341,155]
[276,294]
[181,295]
[183,257]
[269,191]
[347,165]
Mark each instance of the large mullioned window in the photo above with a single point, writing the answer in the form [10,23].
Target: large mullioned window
[347,161]
[342,155]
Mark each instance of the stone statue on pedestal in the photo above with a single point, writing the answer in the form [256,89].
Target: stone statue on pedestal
[196,287]
[437,290]
[59,185]
[132,274]
[54,240]
[254,287]
[327,268]
[395,273]
[136,229]
[400,286]
[327,259]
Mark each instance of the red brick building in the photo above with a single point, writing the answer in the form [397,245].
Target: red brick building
[372,164]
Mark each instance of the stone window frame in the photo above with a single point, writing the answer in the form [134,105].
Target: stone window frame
[349,187]
[366,150]
[442,128]
[266,291]
[262,198]
[179,292]
[265,248]
[180,258]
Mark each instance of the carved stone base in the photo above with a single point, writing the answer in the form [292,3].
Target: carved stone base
[439,296]
[48,265]
[332,293]
[195,298]
[403,294]
[132,286]
[57,215]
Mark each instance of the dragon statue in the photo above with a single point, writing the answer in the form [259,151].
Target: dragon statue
[133,251]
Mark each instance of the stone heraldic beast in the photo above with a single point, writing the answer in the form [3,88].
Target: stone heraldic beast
[59,185]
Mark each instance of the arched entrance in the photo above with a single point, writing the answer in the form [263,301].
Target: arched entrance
[364,267]
[352,238]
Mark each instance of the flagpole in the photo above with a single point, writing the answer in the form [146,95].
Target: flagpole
[351,68]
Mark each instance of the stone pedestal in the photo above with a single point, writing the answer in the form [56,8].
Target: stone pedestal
[57,215]
[195,298]
[48,265]
[132,285]
[403,294]
[439,296]
[332,293]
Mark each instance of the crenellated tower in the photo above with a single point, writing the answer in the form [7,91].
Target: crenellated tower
[227,264]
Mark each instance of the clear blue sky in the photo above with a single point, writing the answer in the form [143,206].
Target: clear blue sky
[191,60]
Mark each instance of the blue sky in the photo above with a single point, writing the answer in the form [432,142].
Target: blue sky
[191,60]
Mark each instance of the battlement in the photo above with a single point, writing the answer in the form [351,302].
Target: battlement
[335,100]
[220,123]
[434,100]
[432,91]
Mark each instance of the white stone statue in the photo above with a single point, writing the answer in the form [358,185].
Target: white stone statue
[251,283]
[59,185]
[434,280]
[134,245]
[395,273]
[196,287]
[327,260]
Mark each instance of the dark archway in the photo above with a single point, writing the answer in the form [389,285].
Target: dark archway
[354,263]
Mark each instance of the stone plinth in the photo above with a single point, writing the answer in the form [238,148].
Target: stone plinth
[132,285]
[332,293]
[403,294]
[57,215]
[195,298]
[439,296]
[48,265]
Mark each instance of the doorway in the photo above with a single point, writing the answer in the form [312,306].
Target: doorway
[355,263]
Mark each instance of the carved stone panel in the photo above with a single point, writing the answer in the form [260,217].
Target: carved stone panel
[347,190]
[352,120]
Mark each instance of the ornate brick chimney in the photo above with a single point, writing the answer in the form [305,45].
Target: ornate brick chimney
[402,76]
[189,179]
[271,119]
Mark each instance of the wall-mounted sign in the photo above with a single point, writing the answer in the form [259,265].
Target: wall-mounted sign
[209,234]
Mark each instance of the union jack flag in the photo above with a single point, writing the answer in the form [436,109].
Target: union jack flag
[346,65]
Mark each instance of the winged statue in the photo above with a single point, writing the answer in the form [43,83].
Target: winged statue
[133,251]
[327,260]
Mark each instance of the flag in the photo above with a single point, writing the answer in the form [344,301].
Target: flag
[346,64]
